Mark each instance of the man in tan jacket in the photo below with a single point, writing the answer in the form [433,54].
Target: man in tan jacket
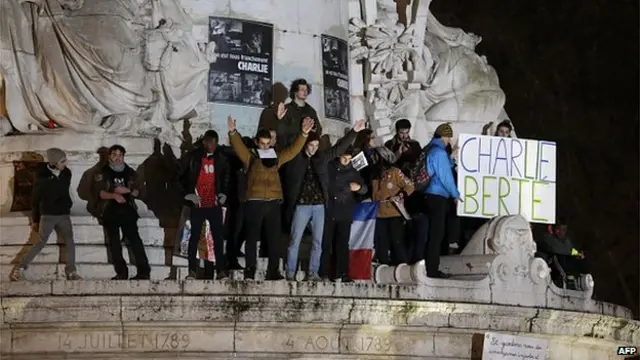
[264,192]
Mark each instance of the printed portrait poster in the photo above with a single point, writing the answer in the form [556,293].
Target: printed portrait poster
[243,71]
[507,176]
[335,70]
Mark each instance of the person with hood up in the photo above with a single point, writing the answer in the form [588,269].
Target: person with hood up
[51,208]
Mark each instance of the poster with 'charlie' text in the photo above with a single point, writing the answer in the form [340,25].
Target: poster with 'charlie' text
[507,176]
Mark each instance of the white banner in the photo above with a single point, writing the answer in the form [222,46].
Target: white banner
[507,176]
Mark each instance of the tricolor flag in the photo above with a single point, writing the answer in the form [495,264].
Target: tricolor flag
[363,230]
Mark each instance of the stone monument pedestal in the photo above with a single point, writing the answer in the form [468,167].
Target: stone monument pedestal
[82,155]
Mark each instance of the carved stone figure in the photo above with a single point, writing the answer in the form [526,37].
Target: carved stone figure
[99,65]
[430,78]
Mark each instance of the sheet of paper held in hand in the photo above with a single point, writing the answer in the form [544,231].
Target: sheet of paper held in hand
[359,161]
[267,154]
[511,347]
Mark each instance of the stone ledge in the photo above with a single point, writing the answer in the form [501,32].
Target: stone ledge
[168,301]
[184,339]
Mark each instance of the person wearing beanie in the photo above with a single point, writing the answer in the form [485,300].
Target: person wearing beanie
[307,196]
[51,206]
[439,193]
[116,189]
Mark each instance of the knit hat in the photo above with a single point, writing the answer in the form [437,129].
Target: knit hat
[54,155]
[444,130]
[386,154]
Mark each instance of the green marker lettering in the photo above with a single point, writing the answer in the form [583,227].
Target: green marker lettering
[503,194]
[486,195]
[470,195]
[520,182]
[535,200]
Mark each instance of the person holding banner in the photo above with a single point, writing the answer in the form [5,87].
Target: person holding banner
[439,192]
[204,177]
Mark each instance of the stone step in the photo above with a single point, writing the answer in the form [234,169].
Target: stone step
[87,254]
[16,231]
[42,272]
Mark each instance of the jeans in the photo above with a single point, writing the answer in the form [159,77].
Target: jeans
[301,217]
[62,224]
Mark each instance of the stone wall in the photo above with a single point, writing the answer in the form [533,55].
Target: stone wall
[298,26]
[277,320]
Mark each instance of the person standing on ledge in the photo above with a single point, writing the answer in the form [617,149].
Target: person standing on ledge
[204,176]
[297,110]
[51,206]
[439,193]
[307,196]
[264,192]
[116,188]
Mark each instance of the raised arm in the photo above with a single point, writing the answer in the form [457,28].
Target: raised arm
[343,143]
[288,153]
[237,144]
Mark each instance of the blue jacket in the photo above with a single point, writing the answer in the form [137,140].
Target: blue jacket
[439,168]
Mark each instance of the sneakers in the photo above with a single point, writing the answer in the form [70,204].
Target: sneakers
[17,274]
[314,277]
[120,277]
[141,277]
[191,276]
[221,275]
[73,276]
[291,277]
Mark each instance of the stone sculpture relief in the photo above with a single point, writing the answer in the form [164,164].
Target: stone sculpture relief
[125,67]
[437,79]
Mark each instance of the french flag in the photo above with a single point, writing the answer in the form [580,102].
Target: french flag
[363,230]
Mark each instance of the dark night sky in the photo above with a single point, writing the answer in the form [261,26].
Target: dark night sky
[570,72]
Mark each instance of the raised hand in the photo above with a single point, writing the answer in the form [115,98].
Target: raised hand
[307,125]
[282,111]
[358,126]
[231,124]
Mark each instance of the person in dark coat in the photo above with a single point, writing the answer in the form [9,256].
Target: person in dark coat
[204,176]
[306,196]
[51,206]
[344,183]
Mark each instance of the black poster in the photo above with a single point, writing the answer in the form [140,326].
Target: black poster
[23,180]
[335,69]
[243,71]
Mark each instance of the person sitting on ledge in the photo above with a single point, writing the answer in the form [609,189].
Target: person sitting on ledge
[567,263]
[264,192]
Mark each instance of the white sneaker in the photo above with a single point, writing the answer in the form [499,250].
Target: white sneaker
[17,274]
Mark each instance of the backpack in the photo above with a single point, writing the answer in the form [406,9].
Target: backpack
[419,174]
